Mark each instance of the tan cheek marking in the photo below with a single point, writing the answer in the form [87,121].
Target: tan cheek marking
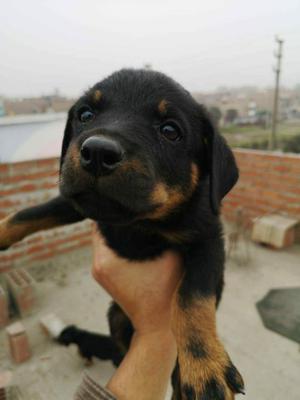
[198,320]
[97,95]
[166,199]
[162,107]
[160,194]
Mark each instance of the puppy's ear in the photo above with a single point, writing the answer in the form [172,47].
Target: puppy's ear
[222,168]
[67,136]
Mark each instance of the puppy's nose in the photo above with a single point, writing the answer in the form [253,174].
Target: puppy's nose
[100,155]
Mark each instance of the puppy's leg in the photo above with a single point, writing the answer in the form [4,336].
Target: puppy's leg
[54,213]
[88,359]
[206,371]
[88,362]
[121,331]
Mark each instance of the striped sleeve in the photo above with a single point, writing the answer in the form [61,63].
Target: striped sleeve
[91,390]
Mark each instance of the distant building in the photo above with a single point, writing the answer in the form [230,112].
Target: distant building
[2,109]
[251,102]
[37,105]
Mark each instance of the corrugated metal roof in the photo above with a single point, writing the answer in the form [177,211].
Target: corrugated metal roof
[31,137]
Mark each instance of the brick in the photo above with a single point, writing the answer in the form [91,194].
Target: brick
[22,287]
[268,182]
[29,176]
[30,187]
[52,162]
[37,238]
[4,170]
[35,249]
[5,266]
[275,230]
[11,255]
[18,342]
[52,325]
[42,256]
[7,203]
[22,166]
[4,311]
[48,185]
[74,247]
[6,390]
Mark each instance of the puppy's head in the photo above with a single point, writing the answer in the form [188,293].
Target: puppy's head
[69,335]
[137,146]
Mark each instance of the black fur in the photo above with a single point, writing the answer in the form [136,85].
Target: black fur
[196,348]
[213,390]
[233,379]
[57,208]
[120,327]
[189,392]
[90,344]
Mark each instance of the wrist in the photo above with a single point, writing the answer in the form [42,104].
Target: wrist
[161,341]
[152,324]
[146,369]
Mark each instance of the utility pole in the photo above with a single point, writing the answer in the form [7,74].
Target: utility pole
[277,70]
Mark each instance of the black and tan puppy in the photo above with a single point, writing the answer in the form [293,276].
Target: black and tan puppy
[90,344]
[142,158]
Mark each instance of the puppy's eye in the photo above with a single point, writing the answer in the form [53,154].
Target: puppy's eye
[85,114]
[171,131]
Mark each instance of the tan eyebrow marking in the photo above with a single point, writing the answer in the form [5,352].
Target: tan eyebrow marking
[162,106]
[97,95]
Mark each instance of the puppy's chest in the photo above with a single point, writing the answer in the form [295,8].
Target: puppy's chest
[133,244]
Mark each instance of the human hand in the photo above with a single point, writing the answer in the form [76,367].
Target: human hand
[143,289]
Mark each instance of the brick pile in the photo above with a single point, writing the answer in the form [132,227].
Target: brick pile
[22,287]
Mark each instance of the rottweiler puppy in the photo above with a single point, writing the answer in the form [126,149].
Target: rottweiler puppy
[88,344]
[142,158]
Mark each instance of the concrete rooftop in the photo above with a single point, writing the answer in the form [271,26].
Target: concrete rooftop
[269,363]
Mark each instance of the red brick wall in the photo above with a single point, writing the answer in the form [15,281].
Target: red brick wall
[269,182]
[25,184]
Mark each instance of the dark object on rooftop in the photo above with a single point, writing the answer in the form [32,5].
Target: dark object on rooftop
[280,312]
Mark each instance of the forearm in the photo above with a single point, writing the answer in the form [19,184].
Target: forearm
[146,369]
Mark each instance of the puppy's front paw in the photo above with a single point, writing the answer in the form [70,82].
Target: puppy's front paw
[11,232]
[208,375]
[5,237]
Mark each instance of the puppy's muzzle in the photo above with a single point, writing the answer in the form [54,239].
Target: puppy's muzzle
[100,155]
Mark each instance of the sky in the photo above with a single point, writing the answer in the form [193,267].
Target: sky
[72,44]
